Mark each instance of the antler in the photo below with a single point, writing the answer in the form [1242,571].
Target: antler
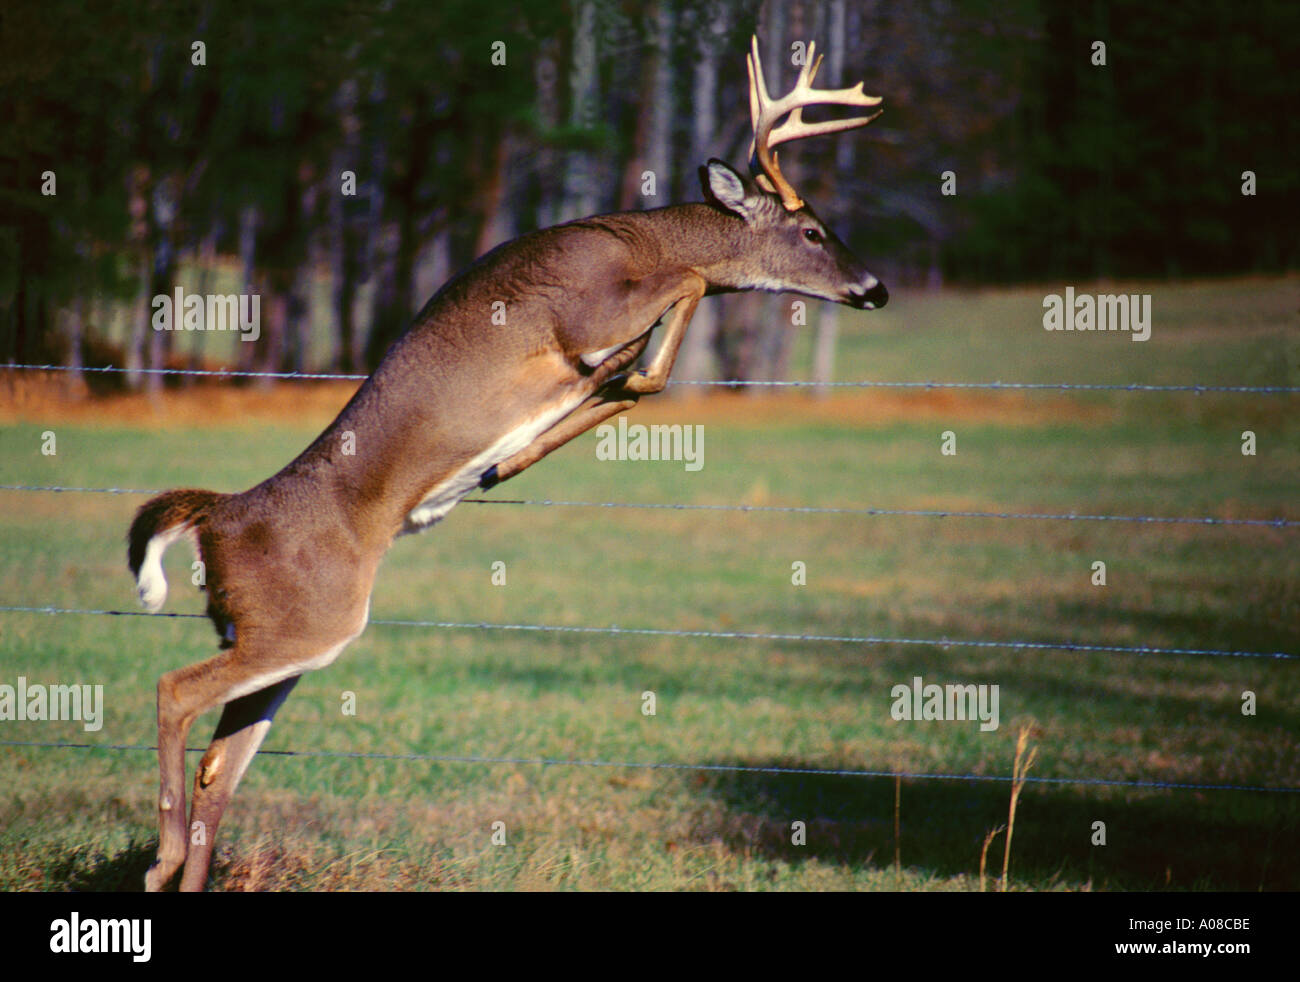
[764,113]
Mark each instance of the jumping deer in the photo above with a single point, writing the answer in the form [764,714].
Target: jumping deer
[462,401]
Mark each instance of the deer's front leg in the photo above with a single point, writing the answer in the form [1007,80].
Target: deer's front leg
[621,391]
[655,376]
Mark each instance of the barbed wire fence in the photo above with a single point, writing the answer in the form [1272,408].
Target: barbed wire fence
[675,766]
[1196,387]
[1280,523]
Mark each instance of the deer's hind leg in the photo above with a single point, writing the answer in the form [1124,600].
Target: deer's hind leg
[243,726]
[183,695]
[608,400]
[596,409]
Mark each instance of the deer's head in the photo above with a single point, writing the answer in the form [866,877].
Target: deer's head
[793,250]
[789,249]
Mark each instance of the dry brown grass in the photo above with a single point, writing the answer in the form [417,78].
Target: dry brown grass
[46,397]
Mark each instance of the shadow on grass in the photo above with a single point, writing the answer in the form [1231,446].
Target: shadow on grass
[1265,621]
[86,869]
[1177,840]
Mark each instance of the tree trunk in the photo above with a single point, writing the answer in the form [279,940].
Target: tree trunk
[433,266]
[580,176]
[75,322]
[771,329]
[827,318]
[659,151]
[345,245]
[546,77]
[249,219]
[377,262]
[494,228]
[158,342]
[653,136]
[138,209]
[162,216]
[347,349]
[695,362]
[207,260]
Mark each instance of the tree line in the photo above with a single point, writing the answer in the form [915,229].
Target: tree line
[372,149]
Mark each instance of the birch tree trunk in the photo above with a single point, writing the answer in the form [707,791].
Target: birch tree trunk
[827,327]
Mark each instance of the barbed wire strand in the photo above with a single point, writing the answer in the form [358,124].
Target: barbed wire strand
[1071,646]
[863,384]
[1278,523]
[676,766]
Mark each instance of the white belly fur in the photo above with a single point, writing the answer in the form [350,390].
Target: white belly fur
[443,497]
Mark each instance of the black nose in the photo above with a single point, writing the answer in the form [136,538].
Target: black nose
[876,297]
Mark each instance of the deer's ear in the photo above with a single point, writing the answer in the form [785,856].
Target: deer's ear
[725,188]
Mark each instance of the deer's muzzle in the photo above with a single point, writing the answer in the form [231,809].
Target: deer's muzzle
[872,299]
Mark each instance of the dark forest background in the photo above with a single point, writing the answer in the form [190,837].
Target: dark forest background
[169,172]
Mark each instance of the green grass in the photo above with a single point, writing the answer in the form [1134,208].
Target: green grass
[1242,332]
[76,819]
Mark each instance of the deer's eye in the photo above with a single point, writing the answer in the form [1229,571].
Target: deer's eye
[813,236]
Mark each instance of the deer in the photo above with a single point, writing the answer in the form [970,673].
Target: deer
[462,401]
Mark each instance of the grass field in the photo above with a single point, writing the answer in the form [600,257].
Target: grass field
[85,819]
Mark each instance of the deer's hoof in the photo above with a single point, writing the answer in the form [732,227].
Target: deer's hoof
[157,876]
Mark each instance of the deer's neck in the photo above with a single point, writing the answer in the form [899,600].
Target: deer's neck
[694,236]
